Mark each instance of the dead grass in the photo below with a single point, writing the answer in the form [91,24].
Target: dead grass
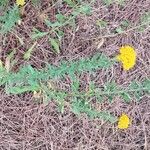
[28,125]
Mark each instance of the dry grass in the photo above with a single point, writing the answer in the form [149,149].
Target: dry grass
[25,124]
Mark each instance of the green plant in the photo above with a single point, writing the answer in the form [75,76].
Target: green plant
[55,45]
[27,54]
[144,21]
[63,20]
[36,2]
[9,19]
[3,4]
[36,34]
[29,79]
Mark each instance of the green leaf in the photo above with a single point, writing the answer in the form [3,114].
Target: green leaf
[125,23]
[61,106]
[20,90]
[101,23]
[75,85]
[107,116]
[119,30]
[55,45]
[134,85]
[36,2]
[61,18]
[71,3]
[75,106]
[120,2]
[85,9]
[38,34]
[146,84]
[110,87]
[27,54]
[55,24]
[110,98]
[3,4]
[126,97]
[145,18]
[60,33]
[9,19]
[138,95]
[107,2]
[99,98]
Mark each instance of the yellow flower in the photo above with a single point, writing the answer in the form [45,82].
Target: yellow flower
[127,56]
[20,2]
[123,122]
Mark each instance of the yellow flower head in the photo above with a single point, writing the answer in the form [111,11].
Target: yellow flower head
[20,2]
[123,122]
[127,56]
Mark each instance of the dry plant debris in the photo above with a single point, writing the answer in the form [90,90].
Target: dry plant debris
[38,33]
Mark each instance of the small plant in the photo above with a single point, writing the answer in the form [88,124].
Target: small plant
[62,20]
[29,79]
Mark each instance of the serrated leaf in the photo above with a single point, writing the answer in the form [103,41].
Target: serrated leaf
[119,30]
[9,20]
[145,18]
[138,95]
[110,98]
[3,4]
[75,85]
[99,98]
[75,106]
[126,97]
[110,87]
[146,84]
[107,116]
[134,85]
[125,23]
[61,18]
[85,9]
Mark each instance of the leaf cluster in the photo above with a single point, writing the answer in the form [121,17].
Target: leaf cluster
[29,79]
[9,19]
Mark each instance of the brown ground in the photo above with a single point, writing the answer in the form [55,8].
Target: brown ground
[27,125]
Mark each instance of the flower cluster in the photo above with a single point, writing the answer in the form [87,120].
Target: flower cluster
[128,58]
